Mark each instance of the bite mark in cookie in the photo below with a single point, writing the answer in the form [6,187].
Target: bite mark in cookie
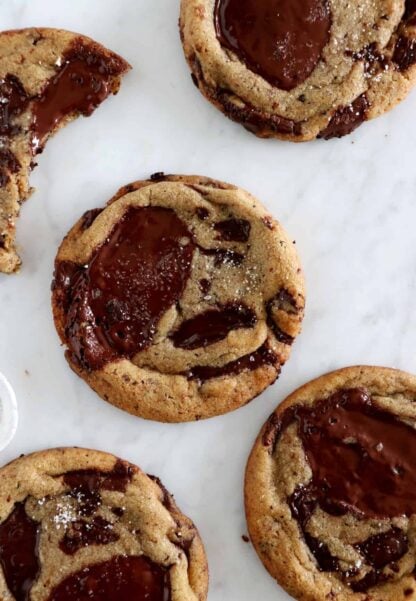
[47,78]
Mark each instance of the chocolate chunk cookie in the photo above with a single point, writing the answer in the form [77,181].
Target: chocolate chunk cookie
[78,525]
[47,78]
[180,300]
[331,488]
[301,69]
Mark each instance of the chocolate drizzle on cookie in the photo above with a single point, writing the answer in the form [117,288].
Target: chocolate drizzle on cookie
[280,40]
[122,578]
[361,458]
[19,552]
[82,82]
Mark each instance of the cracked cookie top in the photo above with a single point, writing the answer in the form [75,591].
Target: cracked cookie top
[180,300]
[47,78]
[331,488]
[298,70]
[84,525]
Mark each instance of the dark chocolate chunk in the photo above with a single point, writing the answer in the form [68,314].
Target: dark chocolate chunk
[223,256]
[8,164]
[205,286]
[85,485]
[382,549]
[82,533]
[81,83]
[19,552]
[212,326]
[202,213]
[89,217]
[359,454]
[13,102]
[255,121]
[404,55]
[113,305]
[410,12]
[121,578]
[117,479]
[346,119]
[281,40]
[263,356]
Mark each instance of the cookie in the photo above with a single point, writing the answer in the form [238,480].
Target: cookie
[299,70]
[331,488]
[178,301]
[47,78]
[83,525]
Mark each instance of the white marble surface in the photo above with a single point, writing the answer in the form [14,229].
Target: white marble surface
[350,204]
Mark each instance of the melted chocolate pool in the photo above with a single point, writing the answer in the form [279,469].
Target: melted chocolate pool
[119,579]
[281,40]
[79,86]
[18,552]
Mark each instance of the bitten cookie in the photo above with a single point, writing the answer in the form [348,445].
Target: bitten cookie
[331,488]
[296,69]
[178,301]
[80,525]
[47,78]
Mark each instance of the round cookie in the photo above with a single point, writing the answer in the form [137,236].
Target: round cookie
[83,525]
[48,77]
[180,300]
[298,70]
[330,488]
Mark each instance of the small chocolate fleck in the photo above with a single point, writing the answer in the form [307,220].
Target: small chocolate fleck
[81,83]
[205,286]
